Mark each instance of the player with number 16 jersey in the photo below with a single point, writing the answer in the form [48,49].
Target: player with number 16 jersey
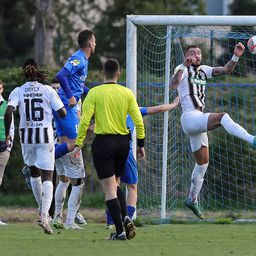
[35,102]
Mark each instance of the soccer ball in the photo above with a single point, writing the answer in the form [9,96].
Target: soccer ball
[251,44]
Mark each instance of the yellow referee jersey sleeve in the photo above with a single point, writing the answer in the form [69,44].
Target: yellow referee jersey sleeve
[89,107]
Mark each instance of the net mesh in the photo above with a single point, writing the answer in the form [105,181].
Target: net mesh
[230,181]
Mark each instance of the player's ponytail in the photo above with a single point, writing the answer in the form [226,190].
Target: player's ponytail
[32,73]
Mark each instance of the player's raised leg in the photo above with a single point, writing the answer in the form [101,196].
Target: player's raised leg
[223,119]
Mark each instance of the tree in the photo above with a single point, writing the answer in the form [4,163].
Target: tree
[245,7]
[16,31]
[44,32]
[111,30]
[28,29]
[72,17]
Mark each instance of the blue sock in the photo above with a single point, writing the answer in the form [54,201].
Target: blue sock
[109,219]
[61,150]
[130,210]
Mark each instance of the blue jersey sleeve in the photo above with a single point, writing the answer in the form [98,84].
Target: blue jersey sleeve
[62,78]
[74,65]
[144,111]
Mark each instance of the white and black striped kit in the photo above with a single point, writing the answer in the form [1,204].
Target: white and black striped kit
[192,87]
[197,82]
[35,102]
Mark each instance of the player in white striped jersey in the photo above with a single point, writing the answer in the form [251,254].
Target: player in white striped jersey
[190,80]
[69,172]
[35,103]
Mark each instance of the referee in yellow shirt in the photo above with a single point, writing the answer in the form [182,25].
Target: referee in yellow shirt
[110,103]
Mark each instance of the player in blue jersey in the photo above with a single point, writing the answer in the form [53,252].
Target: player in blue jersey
[131,171]
[72,79]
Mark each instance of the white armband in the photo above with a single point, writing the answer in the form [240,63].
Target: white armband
[235,58]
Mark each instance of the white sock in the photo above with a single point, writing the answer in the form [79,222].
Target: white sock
[197,179]
[235,129]
[46,198]
[60,196]
[74,203]
[36,185]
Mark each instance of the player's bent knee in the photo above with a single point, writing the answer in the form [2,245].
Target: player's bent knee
[64,178]
[203,161]
[71,145]
[46,175]
[34,171]
[77,182]
[221,115]
[217,117]
[132,187]
[110,194]
[225,117]
[202,155]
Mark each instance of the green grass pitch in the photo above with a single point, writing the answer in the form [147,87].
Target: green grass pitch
[169,239]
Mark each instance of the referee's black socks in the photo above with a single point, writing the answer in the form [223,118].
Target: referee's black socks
[122,200]
[114,208]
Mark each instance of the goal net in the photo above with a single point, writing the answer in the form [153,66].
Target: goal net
[155,46]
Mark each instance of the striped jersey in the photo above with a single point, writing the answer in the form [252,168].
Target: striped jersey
[192,87]
[35,103]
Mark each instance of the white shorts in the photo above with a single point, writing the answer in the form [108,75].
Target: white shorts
[39,155]
[66,165]
[194,124]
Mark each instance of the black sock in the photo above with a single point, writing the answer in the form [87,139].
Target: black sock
[115,212]
[122,200]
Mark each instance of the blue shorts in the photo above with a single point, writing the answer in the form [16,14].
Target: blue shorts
[67,126]
[131,170]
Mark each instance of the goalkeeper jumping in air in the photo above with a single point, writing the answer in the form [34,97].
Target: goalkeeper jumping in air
[190,80]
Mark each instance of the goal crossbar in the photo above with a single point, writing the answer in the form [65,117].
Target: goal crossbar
[192,20]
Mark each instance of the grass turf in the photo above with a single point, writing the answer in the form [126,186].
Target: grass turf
[173,239]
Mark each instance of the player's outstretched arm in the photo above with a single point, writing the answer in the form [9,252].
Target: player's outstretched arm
[164,107]
[230,66]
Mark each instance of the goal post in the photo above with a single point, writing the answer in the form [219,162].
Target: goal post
[154,47]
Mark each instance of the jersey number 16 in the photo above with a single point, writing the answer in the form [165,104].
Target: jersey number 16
[33,112]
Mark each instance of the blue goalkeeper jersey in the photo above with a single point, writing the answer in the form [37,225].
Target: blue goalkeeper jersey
[130,124]
[77,65]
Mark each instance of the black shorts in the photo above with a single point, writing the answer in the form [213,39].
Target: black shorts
[110,153]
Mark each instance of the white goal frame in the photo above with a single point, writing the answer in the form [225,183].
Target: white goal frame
[131,60]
